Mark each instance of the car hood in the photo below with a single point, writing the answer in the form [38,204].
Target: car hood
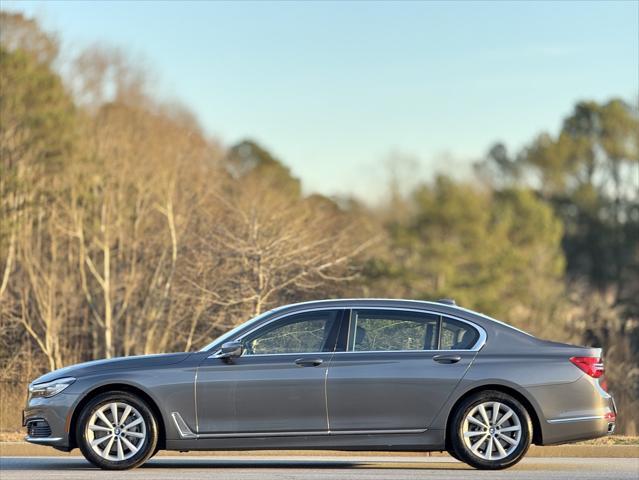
[135,362]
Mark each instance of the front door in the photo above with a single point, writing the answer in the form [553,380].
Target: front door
[278,384]
[398,370]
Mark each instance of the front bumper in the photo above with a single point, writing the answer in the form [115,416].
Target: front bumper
[54,413]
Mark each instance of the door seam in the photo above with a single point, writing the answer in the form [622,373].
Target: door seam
[453,390]
[328,421]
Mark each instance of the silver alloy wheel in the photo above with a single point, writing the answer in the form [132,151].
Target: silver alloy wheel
[116,431]
[492,430]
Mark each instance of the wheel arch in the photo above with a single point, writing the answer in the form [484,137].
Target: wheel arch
[110,387]
[513,392]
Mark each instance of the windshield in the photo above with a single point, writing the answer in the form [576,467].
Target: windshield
[231,333]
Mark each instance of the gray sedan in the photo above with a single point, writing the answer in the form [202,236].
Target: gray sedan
[336,374]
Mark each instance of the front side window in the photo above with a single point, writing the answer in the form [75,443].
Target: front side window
[309,332]
[387,330]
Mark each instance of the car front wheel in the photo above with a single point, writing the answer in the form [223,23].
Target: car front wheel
[491,430]
[117,431]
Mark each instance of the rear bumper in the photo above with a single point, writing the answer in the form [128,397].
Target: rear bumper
[577,429]
[573,429]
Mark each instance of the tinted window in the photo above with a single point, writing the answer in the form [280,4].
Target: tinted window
[302,333]
[384,330]
[457,335]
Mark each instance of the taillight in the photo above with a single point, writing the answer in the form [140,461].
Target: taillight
[592,366]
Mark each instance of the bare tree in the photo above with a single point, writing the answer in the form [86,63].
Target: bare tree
[256,248]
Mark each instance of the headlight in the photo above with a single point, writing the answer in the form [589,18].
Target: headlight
[50,389]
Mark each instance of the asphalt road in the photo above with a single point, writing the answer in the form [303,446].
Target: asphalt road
[324,468]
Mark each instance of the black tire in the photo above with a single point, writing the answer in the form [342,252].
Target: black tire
[147,447]
[462,452]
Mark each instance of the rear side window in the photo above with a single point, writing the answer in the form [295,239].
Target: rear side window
[457,335]
[387,330]
[396,330]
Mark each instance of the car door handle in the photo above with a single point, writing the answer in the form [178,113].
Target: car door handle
[308,362]
[447,358]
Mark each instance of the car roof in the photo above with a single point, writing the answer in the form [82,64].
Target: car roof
[378,302]
[488,324]
[445,307]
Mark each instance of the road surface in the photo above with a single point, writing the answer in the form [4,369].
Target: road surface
[314,468]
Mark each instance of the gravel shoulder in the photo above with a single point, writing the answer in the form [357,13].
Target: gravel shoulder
[22,448]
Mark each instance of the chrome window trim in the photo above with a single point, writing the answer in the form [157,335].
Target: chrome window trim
[302,354]
[481,341]
[408,351]
[426,303]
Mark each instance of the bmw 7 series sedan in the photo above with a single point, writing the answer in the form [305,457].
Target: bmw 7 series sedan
[336,374]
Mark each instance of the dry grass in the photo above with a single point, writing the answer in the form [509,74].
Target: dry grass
[613,440]
[12,401]
[16,436]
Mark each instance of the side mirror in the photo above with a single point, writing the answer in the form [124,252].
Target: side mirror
[230,350]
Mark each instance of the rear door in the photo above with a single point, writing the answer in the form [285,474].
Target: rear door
[398,369]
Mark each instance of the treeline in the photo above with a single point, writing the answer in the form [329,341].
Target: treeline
[125,229]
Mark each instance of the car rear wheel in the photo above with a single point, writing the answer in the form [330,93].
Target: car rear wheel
[117,431]
[490,430]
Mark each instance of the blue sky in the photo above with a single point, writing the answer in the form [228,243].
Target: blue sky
[334,89]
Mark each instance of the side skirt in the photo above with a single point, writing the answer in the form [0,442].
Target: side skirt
[407,440]
[429,440]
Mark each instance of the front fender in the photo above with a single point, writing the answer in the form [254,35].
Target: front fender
[170,389]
